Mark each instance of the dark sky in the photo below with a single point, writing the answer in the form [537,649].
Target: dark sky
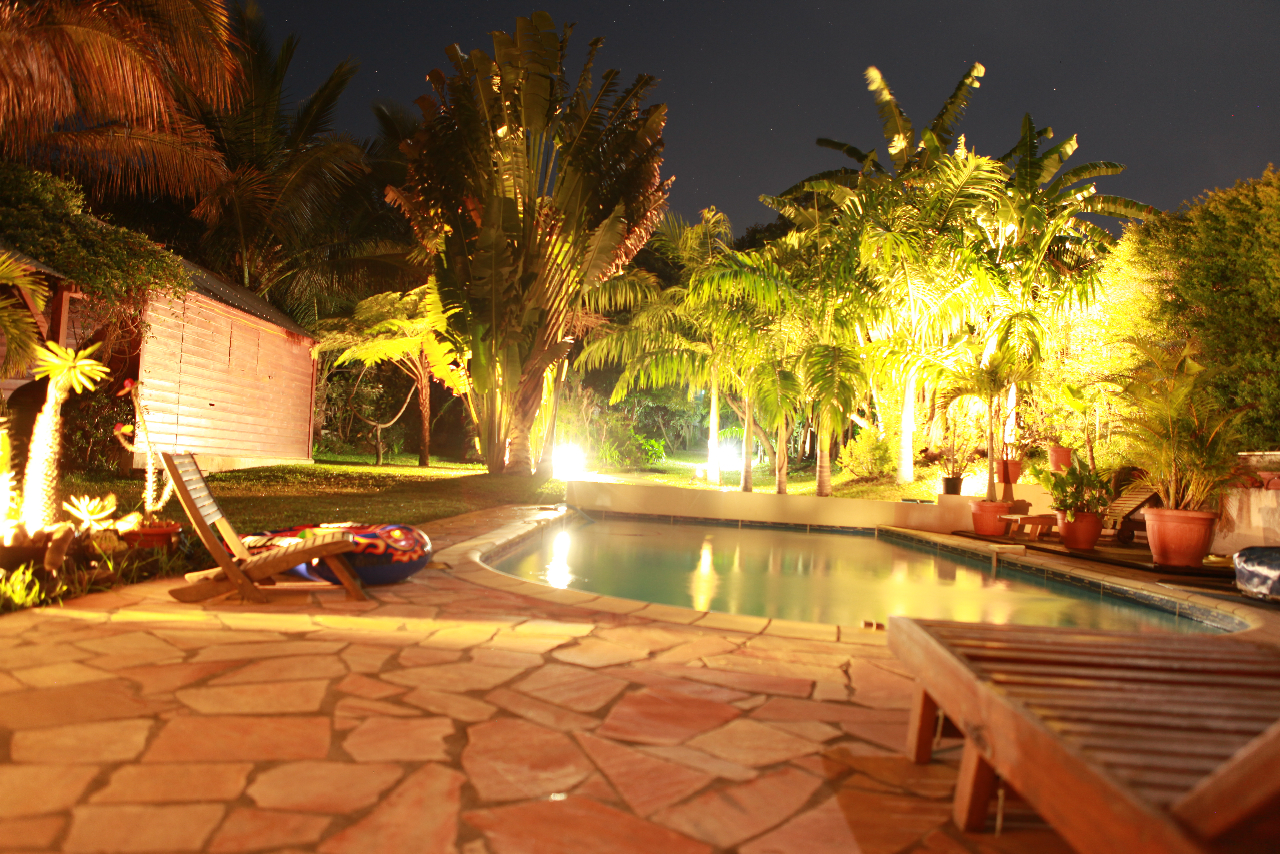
[1183,93]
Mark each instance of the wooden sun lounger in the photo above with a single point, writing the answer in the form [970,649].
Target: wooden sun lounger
[237,569]
[1119,514]
[1038,525]
[1133,743]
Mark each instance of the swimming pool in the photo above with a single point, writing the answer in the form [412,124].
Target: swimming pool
[843,579]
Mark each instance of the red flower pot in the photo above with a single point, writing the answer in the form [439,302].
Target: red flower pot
[1083,533]
[153,536]
[986,517]
[1009,470]
[1179,537]
[1059,458]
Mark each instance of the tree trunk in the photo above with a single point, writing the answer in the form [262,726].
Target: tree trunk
[906,444]
[520,451]
[713,439]
[748,440]
[823,449]
[44,451]
[991,450]
[549,441]
[424,409]
[780,460]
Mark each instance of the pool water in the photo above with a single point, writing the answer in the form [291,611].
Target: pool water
[842,579]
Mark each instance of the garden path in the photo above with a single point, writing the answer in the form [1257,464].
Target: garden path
[446,716]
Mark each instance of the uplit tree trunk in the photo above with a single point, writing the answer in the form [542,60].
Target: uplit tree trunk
[424,410]
[780,460]
[748,439]
[906,444]
[823,450]
[44,452]
[713,437]
[991,449]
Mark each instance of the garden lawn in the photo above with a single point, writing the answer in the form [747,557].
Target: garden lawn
[281,496]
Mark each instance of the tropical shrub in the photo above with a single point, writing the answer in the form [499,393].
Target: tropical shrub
[868,455]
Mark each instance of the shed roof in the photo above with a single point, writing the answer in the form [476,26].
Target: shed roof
[211,285]
[205,282]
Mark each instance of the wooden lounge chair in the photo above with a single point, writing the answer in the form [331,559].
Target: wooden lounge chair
[1119,514]
[237,569]
[1134,743]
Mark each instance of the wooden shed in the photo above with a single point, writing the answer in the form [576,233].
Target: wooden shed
[223,373]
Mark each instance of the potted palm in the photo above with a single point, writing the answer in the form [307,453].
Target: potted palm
[986,375]
[1078,494]
[1186,443]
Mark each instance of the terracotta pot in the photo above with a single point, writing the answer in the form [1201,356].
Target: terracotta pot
[1059,458]
[951,485]
[986,517]
[1179,537]
[1083,533]
[153,536]
[1009,470]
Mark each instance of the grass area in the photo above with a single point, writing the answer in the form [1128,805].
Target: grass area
[680,469]
[281,496]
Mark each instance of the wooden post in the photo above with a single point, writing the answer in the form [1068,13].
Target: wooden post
[61,315]
[974,788]
[920,729]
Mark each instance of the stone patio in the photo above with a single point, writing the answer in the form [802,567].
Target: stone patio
[450,716]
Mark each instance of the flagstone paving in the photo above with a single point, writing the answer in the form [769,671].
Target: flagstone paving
[459,717]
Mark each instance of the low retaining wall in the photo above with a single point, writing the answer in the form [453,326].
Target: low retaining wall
[1251,517]
[950,513]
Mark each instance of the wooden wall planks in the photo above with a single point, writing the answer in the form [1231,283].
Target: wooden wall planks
[216,380]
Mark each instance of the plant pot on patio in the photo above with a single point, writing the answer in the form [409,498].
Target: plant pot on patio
[1179,537]
[986,517]
[951,485]
[1083,532]
[1059,458]
[163,535]
[1010,471]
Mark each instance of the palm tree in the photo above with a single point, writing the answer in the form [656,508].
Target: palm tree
[411,331]
[93,91]
[527,190]
[986,374]
[300,219]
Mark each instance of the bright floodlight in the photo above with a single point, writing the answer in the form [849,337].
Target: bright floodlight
[730,458]
[568,462]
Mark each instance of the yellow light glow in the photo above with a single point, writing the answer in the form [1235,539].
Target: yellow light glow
[704,582]
[559,573]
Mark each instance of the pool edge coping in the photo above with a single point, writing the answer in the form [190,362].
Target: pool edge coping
[466,561]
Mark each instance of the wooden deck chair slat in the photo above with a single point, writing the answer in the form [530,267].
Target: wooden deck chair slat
[239,568]
[1114,773]
[1240,787]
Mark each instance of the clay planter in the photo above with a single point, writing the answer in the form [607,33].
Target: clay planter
[153,536]
[951,485]
[986,517]
[1083,533]
[1009,471]
[1179,537]
[1059,458]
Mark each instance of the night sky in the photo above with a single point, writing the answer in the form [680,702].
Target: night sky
[1183,93]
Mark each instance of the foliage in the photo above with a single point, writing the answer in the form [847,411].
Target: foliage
[868,455]
[93,90]
[118,270]
[1183,438]
[1076,489]
[88,421]
[1216,264]
[21,588]
[299,217]
[410,331]
[21,335]
[527,189]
